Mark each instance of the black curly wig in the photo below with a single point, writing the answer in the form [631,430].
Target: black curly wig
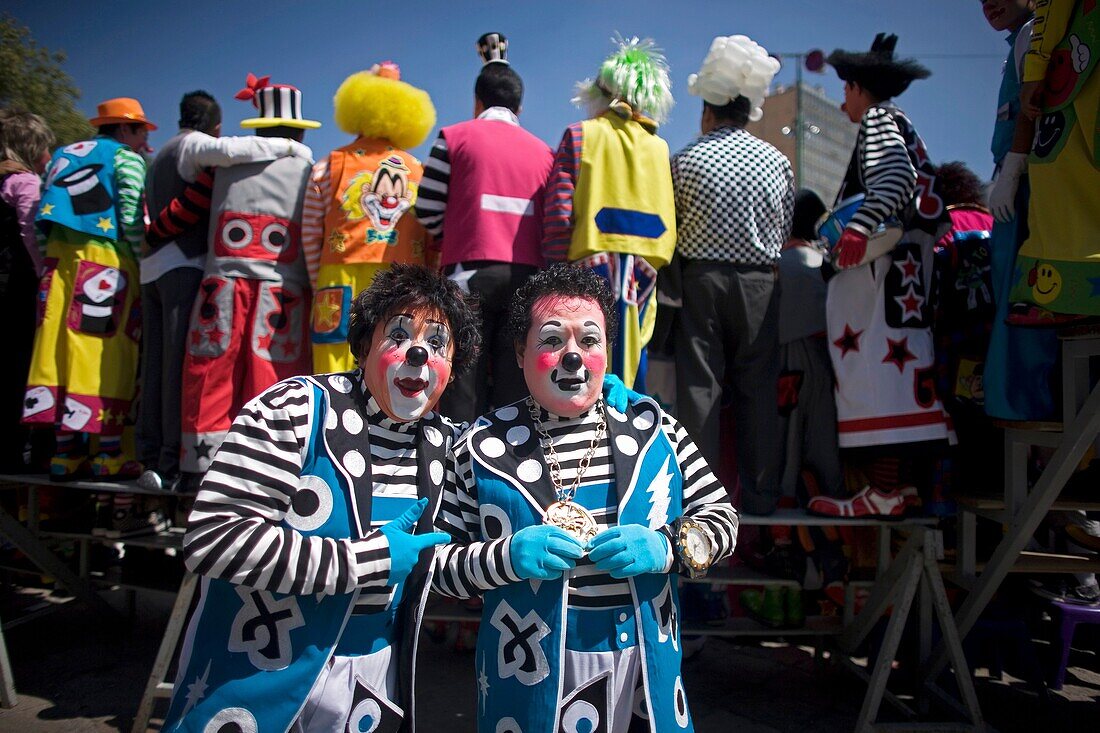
[570,281]
[958,185]
[408,287]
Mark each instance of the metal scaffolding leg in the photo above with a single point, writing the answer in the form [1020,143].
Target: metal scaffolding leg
[156,687]
[1079,435]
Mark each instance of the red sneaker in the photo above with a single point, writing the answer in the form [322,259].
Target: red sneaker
[870,502]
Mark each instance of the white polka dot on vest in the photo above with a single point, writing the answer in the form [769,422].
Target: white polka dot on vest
[529,470]
[331,420]
[434,436]
[435,471]
[355,463]
[615,414]
[626,444]
[340,383]
[511,412]
[645,420]
[492,447]
[518,435]
[353,423]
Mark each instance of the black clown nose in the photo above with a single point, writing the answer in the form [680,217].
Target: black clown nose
[572,361]
[417,356]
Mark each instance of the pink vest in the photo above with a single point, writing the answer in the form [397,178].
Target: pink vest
[494,201]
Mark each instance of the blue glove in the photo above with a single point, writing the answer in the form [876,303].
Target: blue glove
[629,550]
[616,394]
[543,552]
[405,547]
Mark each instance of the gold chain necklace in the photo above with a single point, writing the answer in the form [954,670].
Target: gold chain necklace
[565,513]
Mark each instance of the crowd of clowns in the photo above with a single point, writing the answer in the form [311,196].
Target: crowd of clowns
[357,359]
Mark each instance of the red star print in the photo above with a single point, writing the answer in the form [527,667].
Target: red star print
[264,342]
[289,346]
[899,354]
[910,269]
[849,341]
[910,303]
[196,338]
[215,335]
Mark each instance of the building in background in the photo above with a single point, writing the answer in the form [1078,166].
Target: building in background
[820,156]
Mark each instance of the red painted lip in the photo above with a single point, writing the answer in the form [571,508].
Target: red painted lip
[410,387]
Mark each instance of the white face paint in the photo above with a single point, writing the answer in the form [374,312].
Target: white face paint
[405,386]
[564,356]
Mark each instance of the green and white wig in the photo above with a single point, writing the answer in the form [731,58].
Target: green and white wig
[633,81]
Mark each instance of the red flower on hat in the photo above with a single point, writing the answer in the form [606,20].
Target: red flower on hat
[252,86]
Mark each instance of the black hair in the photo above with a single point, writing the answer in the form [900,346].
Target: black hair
[808,210]
[957,184]
[294,133]
[403,287]
[199,111]
[113,129]
[498,85]
[880,86]
[570,281]
[735,113]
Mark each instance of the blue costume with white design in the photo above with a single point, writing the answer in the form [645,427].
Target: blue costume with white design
[530,630]
[254,649]
[80,190]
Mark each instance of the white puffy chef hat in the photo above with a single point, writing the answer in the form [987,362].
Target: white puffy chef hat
[735,66]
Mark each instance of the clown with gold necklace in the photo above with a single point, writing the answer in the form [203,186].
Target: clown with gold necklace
[571,513]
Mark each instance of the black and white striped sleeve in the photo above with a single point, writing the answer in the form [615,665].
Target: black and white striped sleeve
[888,172]
[469,565]
[236,532]
[705,499]
[431,199]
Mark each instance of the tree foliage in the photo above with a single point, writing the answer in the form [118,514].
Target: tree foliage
[33,79]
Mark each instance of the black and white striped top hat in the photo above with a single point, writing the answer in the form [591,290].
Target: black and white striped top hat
[278,104]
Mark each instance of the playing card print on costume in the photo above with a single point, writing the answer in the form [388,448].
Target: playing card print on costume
[99,295]
[280,313]
[211,318]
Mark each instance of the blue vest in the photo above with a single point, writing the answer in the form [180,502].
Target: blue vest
[80,190]
[521,641]
[1008,103]
[251,656]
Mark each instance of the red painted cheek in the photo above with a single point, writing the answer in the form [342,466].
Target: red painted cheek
[595,362]
[389,358]
[546,362]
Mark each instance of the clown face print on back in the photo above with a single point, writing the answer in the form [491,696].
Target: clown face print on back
[564,355]
[408,364]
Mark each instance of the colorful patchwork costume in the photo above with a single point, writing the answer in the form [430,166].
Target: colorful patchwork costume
[1058,267]
[248,324]
[84,368]
[357,210]
[609,201]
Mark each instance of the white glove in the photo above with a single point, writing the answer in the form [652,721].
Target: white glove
[1002,199]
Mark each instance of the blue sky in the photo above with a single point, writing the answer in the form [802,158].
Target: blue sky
[155,51]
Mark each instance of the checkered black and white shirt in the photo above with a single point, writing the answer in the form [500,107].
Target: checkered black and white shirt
[734,198]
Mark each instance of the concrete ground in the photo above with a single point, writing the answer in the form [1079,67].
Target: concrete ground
[75,674]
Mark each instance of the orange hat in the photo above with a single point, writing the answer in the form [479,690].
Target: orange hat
[121,110]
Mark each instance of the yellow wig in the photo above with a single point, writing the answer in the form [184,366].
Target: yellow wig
[377,103]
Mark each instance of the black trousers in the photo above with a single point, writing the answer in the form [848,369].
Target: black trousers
[729,340]
[495,378]
[166,314]
[18,303]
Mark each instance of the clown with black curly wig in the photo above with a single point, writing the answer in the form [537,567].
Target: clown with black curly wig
[357,219]
[577,507]
[313,527]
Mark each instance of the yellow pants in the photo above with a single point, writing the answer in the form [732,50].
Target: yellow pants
[84,369]
[337,286]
